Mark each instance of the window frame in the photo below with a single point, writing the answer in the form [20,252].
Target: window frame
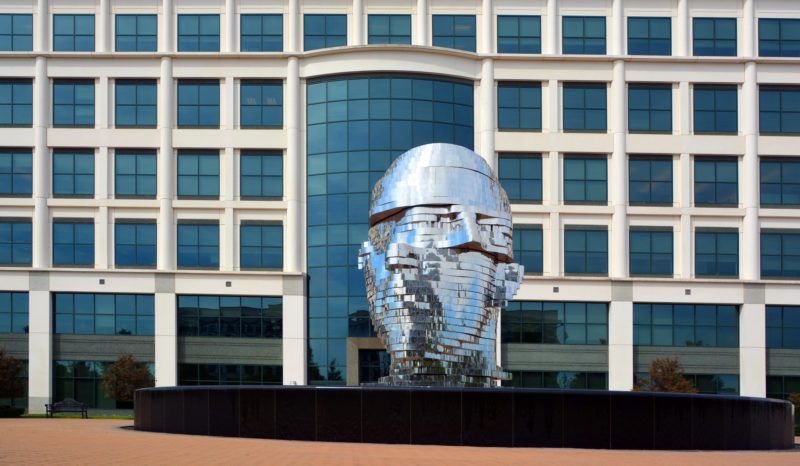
[199,177]
[14,240]
[517,86]
[716,254]
[196,311]
[136,106]
[717,88]
[260,83]
[74,34]
[521,178]
[716,160]
[550,323]
[215,47]
[567,50]
[645,317]
[520,253]
[262,36]
[373,39]
[197,245]
[79,178]
[77,240]
[13,35]
[650,252]
[583,87]
[780,41]
[261,175]
[325,36]
[18,322]
[15,102]
[137,35]
[649,39]
[586,229]
[717,22]
[86,83]
[278,226]
[536,49]
[649,109]
[136,245]
[763,92]
[584,158]
[437,37]
[781,161]
[17,174]
[778,241]
[198,105]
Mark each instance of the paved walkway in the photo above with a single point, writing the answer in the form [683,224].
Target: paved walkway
[102,441]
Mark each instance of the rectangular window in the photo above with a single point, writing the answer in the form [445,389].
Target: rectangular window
[585,179]
[572,323]
[527,242]
[778,37]
[781,386]
[650,108]
[261,104]
[780,182]
[715,109]
[83,381]
[716,253]
[104,314]
[389,29]
[519,106]
[16,172]
[519,34]
[73,243]
[261,246]
[585,251]
[649,36]
[15,242]
[198,174]
[651,252]
[261,174]
[198,33]
[135,103]
[135,173]
[16,102]
[714,37]
[561,380]
[685,325]
[783,326]
[229,374]
[73,33]
[372,365]
[198,103]
[230,316]
[454,32]
[73,173]
[780,253]
[262,33]
[583,35]
[73,102]
[135,243]
[323,31]
[136,33]
[650,180]
[198,245]
[13,312]
[716,181]
[16,33]
[521,176]
[585,107]
[779,110]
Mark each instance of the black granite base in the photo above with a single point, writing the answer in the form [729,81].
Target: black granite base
[470,416]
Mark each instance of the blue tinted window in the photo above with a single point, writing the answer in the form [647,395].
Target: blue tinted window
[649,36]
[650,180]
[135,173]
[778,37]
[73,103]
[561,380]
[104,314]
[585,251]
[16,32]
[198,33]
[780,387]
[73,243]
[527,244]
[519,105]
[779,109]
[136,33]
[198,245]
[585,179]
[322,31]
[15,242]
[650,252]
[261,104]
[716,254]
[16,102]
[389,29]
[198,174]
[685,325]
[780,254]
[714,37]
[583,35]
[716,181]
[454,32]
[715,109]
[261,246]
[73,173]
[572,323]
[229,316]
[519,34]
[73,33]
[198,104]
[261,174]
[229,374]
[135,103]
[780,182]
[585,107]
[13,312]
[521,176]
[650,107]
[262,33]
[135,244]
[16,172]
[783,327]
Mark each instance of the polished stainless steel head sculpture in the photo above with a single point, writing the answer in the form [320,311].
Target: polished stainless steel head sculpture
[438,267]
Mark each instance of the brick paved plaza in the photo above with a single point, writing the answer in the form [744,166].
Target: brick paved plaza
[102,441]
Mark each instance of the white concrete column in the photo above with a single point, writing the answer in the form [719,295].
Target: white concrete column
[620,345]
[682,28]
[685,109]
[229,103]
[749,48]
[166,28]
[41,166]
[226,245]
[751,239]
[294,26]
[295,342]
[102,103]
[554,174]
[41,31]
[359,36]
[230,27]
[101,238]
[553,116]
[487,33]
[684,179]
[40,346]
[618,181]
[166,172]
[294,179]
[166,340]
[556,237]
[617,33]
[488,111]
[752,349]
[228,175]
[423,24]
[685,248]
[103,28]
[685,236]
[550,36]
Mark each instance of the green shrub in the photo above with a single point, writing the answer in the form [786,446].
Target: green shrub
[11,412]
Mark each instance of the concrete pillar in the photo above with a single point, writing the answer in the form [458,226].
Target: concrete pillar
[359,36]
[102,242]
[166,331]
[749,47]
[166,28]
[41,166]
[553,116]
[682,28]
[294,26]
[752,345]
[102,104]
[423,24]
[294,178]
[617,33]
[229,107]
[684,248]
[685,236]
[103,27]
[228,251]
[488,107]
[40,344]
[230,27]
[684,109]
[618,180]
[487,31]
[620,338]
[553,252]
[166,173]
[751,239]
[550,36]
[41,35]
[295,342]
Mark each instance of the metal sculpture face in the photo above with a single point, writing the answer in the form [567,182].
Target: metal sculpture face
[438,267]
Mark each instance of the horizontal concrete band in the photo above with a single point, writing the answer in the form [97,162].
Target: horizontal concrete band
[476,417]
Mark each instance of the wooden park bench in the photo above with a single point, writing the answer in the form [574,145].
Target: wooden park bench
[67,405]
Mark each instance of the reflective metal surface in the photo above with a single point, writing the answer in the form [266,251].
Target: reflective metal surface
[438,267]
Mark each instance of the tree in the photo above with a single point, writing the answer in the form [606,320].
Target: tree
[125,376]
[794,398]
[11,386]
[666,375]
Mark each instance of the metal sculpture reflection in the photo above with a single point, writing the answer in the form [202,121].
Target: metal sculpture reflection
[438,267]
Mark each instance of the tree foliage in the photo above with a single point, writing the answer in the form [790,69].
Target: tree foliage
[125,376]
[11,386]
[666,375]
[794,399]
